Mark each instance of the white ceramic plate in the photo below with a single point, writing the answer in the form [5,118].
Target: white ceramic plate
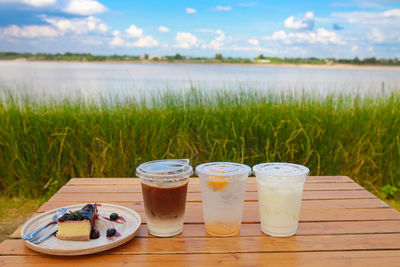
[55,246]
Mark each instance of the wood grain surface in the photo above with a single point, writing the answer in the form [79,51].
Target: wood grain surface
[341,224]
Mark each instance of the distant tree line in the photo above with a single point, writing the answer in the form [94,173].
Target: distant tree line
[66,56]
[370,61]
[219,58]
[314,60]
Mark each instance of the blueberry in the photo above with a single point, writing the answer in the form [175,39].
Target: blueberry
[111,232]
[113,216]
[94,234]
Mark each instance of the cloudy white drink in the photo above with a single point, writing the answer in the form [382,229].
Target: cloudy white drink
[280,189]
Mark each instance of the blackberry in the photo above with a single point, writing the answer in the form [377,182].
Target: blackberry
[94,234]
[113,216]
[111,232]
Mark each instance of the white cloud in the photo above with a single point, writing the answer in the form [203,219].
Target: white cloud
[222,8]
[35,3]
[185,40]
[225,43]
[370,18]
[134,31]
[217,43]
[39,3]
[372,27]
[354,48]
[377,36]
[163,29]
[117,41]
[84,7]
[91,30]
[306,23]
[370,49]
[145,41]
[254,42]
[190,10]
[78,7]
[392,13]
[29,31]
[78,25]
[280,36]
[320,36]
[325,37]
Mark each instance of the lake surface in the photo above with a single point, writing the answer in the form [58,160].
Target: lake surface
[66,79]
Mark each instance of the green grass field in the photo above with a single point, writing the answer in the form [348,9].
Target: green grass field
[14,212]
[45,143]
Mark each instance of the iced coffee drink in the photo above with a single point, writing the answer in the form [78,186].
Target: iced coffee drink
[164,188]
[280,189]
[223,186]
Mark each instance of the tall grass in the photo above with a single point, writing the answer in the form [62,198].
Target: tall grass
[43,144]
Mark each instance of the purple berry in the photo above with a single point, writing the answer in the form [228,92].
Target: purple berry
[111,232]
[113,217]
[94,234]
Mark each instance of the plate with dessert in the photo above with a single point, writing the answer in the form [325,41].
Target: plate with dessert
[81,229]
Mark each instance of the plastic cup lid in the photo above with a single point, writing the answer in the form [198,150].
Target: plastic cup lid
[165,168]
[223,169]
[280,169]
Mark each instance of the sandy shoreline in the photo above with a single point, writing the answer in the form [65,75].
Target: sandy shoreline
[316,66]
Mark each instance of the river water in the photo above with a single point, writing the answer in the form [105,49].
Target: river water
[66,79]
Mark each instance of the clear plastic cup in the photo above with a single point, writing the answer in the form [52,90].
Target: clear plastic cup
[164,189]
[223,186]
[280,189]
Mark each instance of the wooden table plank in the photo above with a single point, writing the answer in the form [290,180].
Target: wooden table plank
[196,196]
[306,204]
[307,259]
[305,228]
[251,187]
[194,214]
[194,180]
[212,245]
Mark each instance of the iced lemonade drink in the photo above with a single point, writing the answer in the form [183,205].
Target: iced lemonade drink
[223,186]
[280,189]
[164,189]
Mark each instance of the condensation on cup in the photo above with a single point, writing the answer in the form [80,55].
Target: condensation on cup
[223,186]
[280,189]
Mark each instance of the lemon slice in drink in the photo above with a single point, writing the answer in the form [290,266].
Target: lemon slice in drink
[217,183]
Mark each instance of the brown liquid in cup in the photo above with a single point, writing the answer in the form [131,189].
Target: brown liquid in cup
[164,203]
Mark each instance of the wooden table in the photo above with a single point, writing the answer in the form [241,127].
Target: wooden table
[341,224]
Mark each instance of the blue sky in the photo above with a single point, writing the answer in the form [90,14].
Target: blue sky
[339,28]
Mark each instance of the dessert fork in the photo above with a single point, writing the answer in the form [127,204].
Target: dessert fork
[44,237]
[32,235]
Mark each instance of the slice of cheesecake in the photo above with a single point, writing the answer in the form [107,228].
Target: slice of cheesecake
[78,225]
